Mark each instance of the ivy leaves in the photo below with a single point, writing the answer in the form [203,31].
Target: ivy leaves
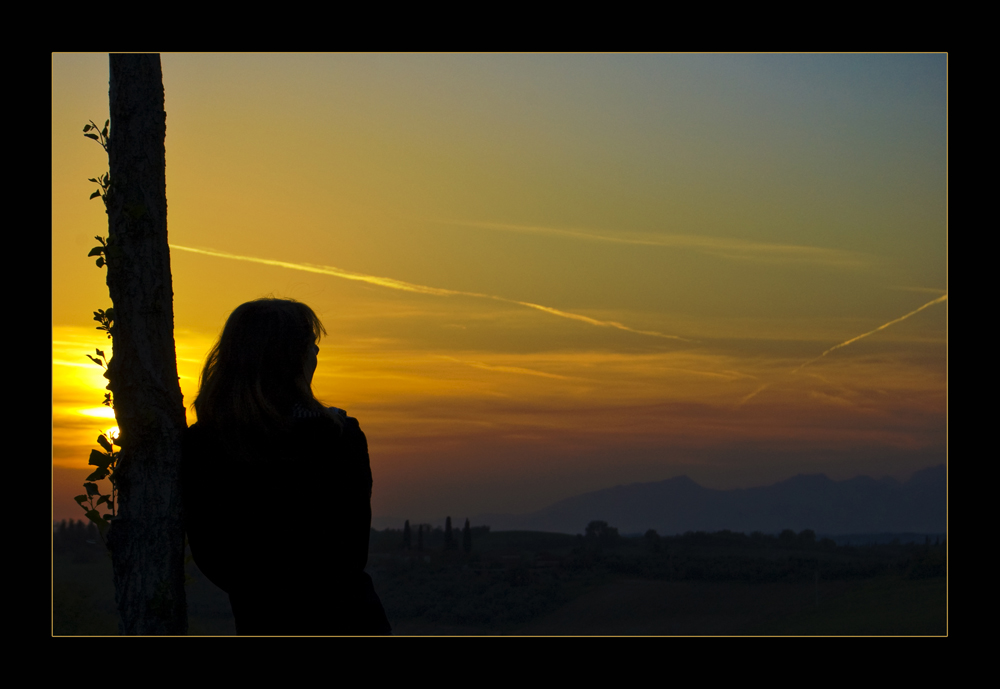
[99,251]
[104,460]
[104,181]
[106,320]
[105,467]
[101,138]
[102,362]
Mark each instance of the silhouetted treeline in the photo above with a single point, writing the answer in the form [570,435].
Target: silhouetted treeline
[727,555]
[424,537]
[510,577]
[78,539]
[506,579]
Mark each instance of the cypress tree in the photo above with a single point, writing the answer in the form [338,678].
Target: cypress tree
[449,541]
[420,537]
[467,537]
[406,535]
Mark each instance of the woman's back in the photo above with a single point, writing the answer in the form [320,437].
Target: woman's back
[285,532]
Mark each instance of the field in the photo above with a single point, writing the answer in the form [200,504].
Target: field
[529,583]
[629,606]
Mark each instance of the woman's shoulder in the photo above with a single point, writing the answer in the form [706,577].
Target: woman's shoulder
[200,438]
[196,435]
[335,414]
[330,423]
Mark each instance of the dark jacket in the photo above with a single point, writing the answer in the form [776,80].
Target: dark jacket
[285,531]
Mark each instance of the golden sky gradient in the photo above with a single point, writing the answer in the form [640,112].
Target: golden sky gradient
[547,274]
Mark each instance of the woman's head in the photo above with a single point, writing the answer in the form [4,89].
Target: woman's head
[261,366]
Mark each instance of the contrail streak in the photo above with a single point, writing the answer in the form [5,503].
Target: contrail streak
[329,270]
[420,289]
[872,332]
[844,344]
[507,369]
[592,321]
[752,395]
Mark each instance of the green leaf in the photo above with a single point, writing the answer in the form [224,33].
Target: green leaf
[95,194]
[105,443]
[99,352]
[91,179]
[100,262]
[106,123]
[92,136]
[91,489]
[95,360]
[96,251]
[81,499]
[87,128]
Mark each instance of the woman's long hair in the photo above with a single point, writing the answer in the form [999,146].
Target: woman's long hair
[256,372]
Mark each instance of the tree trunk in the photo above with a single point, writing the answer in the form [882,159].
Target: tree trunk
[147,537]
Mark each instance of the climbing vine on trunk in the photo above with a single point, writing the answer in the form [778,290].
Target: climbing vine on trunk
[105,460]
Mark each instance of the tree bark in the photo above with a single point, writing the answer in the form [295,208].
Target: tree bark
[147,536]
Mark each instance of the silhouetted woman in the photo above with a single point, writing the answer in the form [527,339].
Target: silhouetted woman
[277,487]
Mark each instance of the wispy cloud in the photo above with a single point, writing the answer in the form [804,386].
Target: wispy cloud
[717,246]
[391,283]
[922,290]
[60,362]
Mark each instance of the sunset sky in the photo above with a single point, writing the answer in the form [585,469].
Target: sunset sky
[547,274]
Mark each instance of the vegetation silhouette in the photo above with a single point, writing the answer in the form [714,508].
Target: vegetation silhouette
[106,459]
[523,582]
[511,580]
[449,537]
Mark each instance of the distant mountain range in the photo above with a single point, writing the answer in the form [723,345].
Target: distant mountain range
[807,501]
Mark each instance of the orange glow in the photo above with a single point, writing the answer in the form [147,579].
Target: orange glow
[548,274]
